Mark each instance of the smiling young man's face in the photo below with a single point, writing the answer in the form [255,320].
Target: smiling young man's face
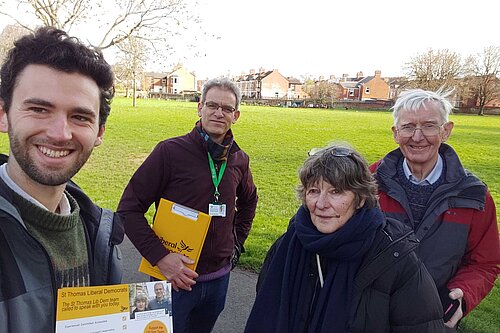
[53,125]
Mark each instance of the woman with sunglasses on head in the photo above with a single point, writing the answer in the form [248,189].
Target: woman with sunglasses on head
[342,266]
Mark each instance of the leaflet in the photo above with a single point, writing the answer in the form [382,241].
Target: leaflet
[136,307]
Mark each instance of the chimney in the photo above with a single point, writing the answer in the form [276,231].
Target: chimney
[344,77]
[252,71]
[378,73]
[359,75]
[321,78]
[262,70]
[333,78]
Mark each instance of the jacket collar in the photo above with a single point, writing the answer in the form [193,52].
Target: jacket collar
[196,137]
[454,168]
[459,182]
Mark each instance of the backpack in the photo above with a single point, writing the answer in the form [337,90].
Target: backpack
[106,254]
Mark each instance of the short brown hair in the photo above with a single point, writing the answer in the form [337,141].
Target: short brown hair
[342,167]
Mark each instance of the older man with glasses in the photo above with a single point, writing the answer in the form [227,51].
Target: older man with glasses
[205,170]
[424,184]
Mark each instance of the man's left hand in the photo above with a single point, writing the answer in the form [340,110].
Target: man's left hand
[457,294]
[237,251]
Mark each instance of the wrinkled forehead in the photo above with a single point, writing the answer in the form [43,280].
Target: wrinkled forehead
[428,111]
[220,92]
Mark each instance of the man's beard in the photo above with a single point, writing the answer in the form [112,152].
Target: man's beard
[45,177]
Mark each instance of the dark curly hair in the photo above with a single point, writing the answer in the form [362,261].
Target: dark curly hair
[54,48]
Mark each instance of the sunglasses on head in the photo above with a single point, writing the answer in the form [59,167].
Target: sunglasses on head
[335,151]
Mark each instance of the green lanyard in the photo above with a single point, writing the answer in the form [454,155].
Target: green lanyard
[216,179]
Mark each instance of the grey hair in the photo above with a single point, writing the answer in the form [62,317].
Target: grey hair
[141,297]
[415,99]
[223,83]
[345,173]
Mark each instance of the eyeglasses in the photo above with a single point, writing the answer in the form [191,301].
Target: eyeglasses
[215,106]
[336,151]
[430,129]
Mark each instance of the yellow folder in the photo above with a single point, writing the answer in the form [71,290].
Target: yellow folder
[182,230]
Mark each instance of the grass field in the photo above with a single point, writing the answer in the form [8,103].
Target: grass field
[277,140]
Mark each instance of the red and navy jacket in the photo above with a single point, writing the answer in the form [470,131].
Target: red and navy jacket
[458,235]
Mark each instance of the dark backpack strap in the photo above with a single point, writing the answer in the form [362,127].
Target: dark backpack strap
[13,284]
[107,256]
[7,207]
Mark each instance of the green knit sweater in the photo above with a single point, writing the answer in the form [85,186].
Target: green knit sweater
[63,237]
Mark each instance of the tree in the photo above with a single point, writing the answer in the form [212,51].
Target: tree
[7,38]
[434,70]
[483,72]
[114,21]
[130,67]
[322,91]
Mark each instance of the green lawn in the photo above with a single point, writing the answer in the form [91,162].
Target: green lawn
[277,140]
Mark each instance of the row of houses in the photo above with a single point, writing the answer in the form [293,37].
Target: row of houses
[269,84]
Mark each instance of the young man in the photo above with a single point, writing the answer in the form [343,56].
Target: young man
[424,184]
[161,300]
[202,170]
[54,102]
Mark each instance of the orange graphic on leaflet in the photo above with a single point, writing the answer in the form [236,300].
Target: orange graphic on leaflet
[155,326]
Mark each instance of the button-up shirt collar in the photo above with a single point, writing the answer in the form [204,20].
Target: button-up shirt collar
[431,178]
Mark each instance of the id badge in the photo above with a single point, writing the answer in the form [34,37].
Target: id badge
[217,209]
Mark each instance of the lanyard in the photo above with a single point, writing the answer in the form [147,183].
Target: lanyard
[216,178]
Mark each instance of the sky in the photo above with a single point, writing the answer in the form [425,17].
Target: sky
[312,38]
[328,37]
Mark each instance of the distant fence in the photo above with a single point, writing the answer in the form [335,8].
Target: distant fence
[488,111]
[312,103]
[189,97]
[348,104]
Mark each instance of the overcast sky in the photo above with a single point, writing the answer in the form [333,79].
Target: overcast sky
[327,37]
[331,37]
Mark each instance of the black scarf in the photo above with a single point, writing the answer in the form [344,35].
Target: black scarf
[280,303]
[218,152]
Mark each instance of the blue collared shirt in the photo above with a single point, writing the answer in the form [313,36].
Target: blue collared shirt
[431,178]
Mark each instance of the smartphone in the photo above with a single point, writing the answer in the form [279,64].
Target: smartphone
[450,306]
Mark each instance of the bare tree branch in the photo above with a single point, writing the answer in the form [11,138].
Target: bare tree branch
[435,69]
[155,19]
[483,72]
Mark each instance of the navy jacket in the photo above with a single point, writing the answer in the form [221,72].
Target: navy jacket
[393,291]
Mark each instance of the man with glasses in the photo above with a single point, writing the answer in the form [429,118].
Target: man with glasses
[207,171]
[424,184]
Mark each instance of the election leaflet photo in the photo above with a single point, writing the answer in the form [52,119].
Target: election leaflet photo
[137,307]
